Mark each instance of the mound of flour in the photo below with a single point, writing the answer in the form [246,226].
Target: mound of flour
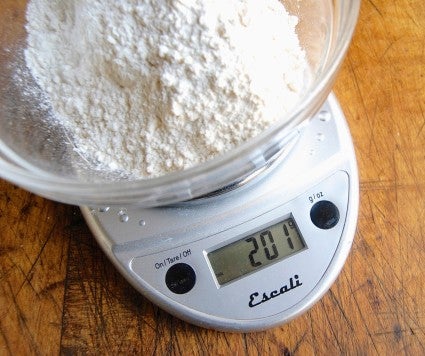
[148,87]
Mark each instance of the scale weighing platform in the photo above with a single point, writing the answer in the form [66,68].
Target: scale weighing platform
[251,258]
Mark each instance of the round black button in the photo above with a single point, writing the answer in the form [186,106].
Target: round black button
[180,278]
[324,214]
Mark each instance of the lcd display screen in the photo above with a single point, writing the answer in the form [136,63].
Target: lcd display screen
[256,251]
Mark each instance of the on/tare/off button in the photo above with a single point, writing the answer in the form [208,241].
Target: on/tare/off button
[180,278]
[324,214]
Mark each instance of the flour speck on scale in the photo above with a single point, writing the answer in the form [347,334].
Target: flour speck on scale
[151,87]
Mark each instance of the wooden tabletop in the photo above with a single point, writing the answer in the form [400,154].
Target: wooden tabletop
[60,294]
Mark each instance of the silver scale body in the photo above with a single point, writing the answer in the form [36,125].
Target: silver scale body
[144,243]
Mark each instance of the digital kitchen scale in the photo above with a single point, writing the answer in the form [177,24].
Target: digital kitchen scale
[253,257]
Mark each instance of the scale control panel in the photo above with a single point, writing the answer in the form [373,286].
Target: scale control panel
[180,277]
[254,270]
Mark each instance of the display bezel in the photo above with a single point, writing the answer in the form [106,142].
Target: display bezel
[245,235]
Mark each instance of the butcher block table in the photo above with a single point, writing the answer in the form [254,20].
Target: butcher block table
[59,294]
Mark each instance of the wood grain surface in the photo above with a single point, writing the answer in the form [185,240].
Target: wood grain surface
[60,295]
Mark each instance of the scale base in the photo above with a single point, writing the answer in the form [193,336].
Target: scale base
[165,252]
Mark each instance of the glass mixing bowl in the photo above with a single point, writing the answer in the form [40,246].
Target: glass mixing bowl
[38,155]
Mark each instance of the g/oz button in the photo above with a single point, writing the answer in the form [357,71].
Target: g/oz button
[324,214]
[180,278]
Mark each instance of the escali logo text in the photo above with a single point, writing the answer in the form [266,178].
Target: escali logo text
[255,299]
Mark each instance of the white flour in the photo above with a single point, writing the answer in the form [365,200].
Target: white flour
[154,86]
